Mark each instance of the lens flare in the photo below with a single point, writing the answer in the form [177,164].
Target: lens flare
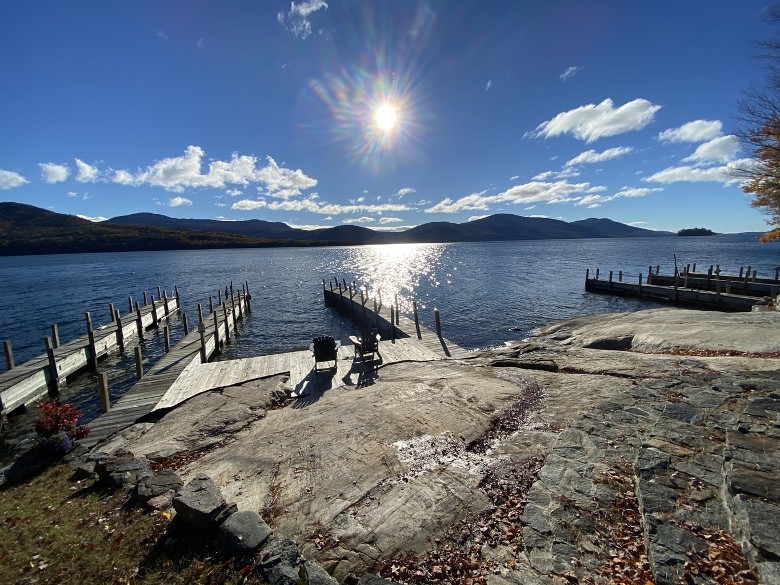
[386,117]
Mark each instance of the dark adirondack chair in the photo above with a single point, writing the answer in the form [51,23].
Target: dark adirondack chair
[325,349]
[367,344]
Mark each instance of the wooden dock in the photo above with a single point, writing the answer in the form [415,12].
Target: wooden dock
[711,290]
[217,329]
[20,385]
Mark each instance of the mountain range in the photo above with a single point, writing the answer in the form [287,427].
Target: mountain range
[25,229]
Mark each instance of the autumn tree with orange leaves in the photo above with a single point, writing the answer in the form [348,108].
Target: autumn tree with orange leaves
[760,134]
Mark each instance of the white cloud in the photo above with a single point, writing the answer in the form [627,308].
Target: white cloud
[543,176]
[200,43]
[689,174]
[86,197]
[96,219]
[405,191]
[177,201]
[86,173]
[177,173]
[161,35]
[54,173]
[635,223]
[514,177]
[219,204]
[540,216]
[384,220]
[488,85]
[11,180]
[597,200]
[299,16]
[591,122]
[696,131]
[570,72]
[476,217]
[311,205]
[234,192]
[72,194]
[364,219]
[636,191]
[591,156]
[722,149]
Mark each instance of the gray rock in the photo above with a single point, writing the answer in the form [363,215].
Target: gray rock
[654,497]
[161,502]
[200,502]
[759,521]
[316,575]
[682,411]
[153,484]
[244,532]
[753,482]
[122,469]
[371,579]
[280,563]
[650,462]
[763,407]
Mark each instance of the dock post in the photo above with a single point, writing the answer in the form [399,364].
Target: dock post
[709,274]
[120,334]
[166,338]
[129,304]
[9,355]
[247,286]
[610,280]
[620,276]
[219,297]
[216,333]
[717,269]
[227,328]
[186,325]
[176,295]
[747,274]
[240,310]
[694,266]
[437,318]
[111,310]
[344,280]
[139,363]
[676,280]
[777,274]
[91,337]
[248,300]
[55,335]
[146,301]
[587,275]
[200,314]
[324,290]
[165,303]
[685,283]
[202,330]
[741,270]
[105,398]
[416,318]
[754,276]
[159,293]
[54,376]
[639,291]
[597,273]
[717,287]
[155,323]
[392,321]
[211,304]
[376,315]
[233,312]
[139,320]
[657,268]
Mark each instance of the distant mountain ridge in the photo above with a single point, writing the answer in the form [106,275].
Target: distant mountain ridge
[499,227]
[25,229]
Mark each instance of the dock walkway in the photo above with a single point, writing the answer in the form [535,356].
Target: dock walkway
[141,399]
[27,382]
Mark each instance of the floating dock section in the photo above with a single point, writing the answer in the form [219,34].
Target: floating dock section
[710,290]
[20,385]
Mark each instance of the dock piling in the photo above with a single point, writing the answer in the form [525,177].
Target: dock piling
[640,283]
[211,304]
[55,335]
[105,398]
[202,331]
[146,301]
[219,297]
[120,334]
[225,317]
[92,361]
[186,325]
[166,338]
[54,377]
[620,276]
[9,355]
[129,304]
[165,303]
[139,364]
[437,319]
[139,321]
[159,293]
[200,314]
[176,295]
[597,273]
[111,311]
[217,345]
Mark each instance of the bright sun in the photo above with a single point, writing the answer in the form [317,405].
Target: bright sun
[386,117]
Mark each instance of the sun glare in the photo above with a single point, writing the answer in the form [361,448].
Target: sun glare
[386,117]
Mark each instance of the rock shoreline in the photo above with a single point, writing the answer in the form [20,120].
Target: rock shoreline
[560,459]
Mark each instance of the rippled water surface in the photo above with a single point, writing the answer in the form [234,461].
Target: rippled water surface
[488,293]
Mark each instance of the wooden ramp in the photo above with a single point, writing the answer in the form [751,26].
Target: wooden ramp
[29,381]
[141,399]
[198,378]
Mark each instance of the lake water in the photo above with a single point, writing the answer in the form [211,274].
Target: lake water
[488,293]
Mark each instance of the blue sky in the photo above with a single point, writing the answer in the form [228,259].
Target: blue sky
[268,110]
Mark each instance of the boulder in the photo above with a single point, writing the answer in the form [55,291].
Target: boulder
[200,502]
[244,532]
[281,562]
[121,469]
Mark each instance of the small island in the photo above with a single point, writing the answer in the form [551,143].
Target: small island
[695,232]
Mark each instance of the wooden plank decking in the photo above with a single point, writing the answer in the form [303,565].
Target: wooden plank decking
[29,381]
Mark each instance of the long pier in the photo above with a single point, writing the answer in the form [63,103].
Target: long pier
[197,346]
[20,385]
[710,290]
